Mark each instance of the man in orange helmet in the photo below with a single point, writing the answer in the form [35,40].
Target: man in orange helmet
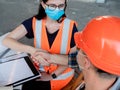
[99,53]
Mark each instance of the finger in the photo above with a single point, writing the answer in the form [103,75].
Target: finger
[45,55]
[42,61]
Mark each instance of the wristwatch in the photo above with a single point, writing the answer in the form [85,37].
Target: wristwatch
[54,76]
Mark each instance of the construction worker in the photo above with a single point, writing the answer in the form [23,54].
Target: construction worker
[99,54]
[53,35]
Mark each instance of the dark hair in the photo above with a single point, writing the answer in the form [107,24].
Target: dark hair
[41,12]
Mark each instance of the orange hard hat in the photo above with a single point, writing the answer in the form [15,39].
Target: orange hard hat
[100,40]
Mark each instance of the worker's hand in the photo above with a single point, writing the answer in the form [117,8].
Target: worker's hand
[45,55]
[38,59]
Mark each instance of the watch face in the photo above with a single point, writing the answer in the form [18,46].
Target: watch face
[54,75]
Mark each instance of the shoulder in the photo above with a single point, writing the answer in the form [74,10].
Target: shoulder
[27,21]
[30,20]
[72,21]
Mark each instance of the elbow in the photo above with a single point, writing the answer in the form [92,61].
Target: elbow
[3,44]
[3,39]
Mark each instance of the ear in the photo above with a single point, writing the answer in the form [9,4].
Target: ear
[87,63]
[43,4]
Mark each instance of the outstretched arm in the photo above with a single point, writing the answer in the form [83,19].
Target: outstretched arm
[11,40]
[60,59]
[53,58]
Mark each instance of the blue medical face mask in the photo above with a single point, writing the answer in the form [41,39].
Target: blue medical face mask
[54,14]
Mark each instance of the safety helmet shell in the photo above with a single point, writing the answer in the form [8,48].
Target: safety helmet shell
[100,40]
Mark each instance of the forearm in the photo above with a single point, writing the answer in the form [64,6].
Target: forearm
[59,59]
[17,46]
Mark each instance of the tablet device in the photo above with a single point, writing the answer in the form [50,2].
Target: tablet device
[17,70]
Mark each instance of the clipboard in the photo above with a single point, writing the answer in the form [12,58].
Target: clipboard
[17,69]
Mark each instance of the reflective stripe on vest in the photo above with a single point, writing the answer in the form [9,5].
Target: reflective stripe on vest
[65,75]
[65,35]
[38,33]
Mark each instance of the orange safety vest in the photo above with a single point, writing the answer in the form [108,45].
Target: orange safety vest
[61,45]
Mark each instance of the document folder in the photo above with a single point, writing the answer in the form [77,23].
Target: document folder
[17,69]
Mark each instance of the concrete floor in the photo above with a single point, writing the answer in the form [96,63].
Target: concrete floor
[13,12]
